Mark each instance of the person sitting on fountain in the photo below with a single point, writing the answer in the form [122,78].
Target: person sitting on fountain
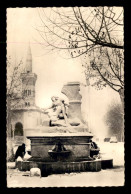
[58,107]
[20,152]
[93,145]
[94,151]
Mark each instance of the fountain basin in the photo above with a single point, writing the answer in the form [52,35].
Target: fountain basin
[78,144]
[63,155]
[72,156]
[60,167]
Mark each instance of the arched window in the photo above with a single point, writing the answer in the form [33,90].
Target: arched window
[18,129]
[28,92]
[28,103]
[25,92]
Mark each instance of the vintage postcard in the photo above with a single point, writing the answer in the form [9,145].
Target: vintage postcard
[65,97]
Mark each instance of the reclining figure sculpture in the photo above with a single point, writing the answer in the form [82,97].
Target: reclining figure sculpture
[58,111]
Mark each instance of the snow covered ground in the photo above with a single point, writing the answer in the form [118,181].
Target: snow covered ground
[108,177]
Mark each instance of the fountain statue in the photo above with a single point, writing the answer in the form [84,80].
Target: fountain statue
[63,143]
[58,113]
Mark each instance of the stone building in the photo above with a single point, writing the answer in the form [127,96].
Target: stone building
[24,112]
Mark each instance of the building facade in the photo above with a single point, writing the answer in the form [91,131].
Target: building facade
[25,115]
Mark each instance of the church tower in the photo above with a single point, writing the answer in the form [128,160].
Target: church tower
[28,82]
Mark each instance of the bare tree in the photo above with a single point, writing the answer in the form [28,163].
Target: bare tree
[14,94]
[93,31]
[13,88]
[114,120]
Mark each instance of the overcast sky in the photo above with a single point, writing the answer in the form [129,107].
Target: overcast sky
[52,69]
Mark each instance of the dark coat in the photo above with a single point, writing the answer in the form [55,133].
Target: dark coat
[94,145]
[20,151]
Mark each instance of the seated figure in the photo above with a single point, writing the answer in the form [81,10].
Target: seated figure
[20,152]
[58,110]
[94,151]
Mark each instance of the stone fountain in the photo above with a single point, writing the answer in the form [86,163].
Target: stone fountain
[59,148]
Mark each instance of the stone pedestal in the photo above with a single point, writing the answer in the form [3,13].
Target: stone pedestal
[77,143]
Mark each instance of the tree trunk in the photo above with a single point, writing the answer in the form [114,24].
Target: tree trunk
[121,93]
[8,117]
[10,152]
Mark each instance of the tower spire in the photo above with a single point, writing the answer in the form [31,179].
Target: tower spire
[29,60]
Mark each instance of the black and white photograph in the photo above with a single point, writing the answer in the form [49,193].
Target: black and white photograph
[65,97]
